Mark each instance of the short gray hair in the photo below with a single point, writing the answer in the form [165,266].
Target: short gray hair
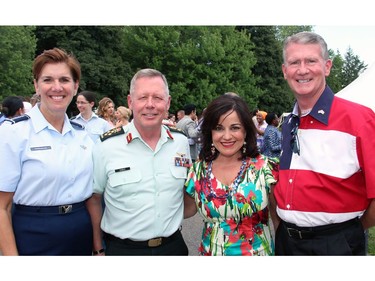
[148,72]
[305,38]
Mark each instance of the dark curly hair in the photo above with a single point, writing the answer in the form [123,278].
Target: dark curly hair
[218,107]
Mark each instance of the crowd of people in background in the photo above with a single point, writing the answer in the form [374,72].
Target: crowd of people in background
[311,176]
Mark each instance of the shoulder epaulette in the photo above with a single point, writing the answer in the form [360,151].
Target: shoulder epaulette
[77,125]
[111,133]
[18,119]
[175,130]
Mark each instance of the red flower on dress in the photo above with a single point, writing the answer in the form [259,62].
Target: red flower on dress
[240,198]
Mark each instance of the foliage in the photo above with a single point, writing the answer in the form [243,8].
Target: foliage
[371,241]
[335,79]
[275,96]
[17,48]
[98,48]
[283,31]
[199,62]
[352,67]
[344,70]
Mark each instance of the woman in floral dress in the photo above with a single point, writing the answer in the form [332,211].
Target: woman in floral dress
[231,183]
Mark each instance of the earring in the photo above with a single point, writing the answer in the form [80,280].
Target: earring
[244,148]
[213,149]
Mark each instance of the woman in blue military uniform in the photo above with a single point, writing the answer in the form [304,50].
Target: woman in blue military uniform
[47,168]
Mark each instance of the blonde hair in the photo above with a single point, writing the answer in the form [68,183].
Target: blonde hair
[124,111]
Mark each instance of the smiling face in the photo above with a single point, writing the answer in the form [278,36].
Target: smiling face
[305,69]
[229,135]
[56,88]
[149,103]
[83,105]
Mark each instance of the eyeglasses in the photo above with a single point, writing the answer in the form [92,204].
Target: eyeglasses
[81,102]
[294,142]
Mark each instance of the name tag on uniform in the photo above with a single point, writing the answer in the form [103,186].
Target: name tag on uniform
[182,162]
[37,148]
[122,169]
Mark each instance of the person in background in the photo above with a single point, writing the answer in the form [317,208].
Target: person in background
[272,137]
[47,168]
[34,99]
[122,115]
[254,117]
[199,129]
[141,170]
[180,115]
[172,118]
[325,193]
[94,125]
[188,125]
[169,120]
[12,106]
[106,110]
[230,183]
[261,127]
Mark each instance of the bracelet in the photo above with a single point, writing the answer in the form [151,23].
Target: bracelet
[95,253]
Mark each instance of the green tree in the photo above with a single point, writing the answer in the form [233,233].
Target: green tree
[352,67]
[99,49]
[275,95]
[283,31]
[199,62]
[335,79]
[17,48]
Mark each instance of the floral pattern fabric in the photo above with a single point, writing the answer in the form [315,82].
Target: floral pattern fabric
[237,224]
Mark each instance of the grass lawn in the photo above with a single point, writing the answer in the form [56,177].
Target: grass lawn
[371,241]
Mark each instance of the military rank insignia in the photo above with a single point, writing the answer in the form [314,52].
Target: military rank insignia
[111,133]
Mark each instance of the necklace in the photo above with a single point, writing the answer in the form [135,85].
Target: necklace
[231,190]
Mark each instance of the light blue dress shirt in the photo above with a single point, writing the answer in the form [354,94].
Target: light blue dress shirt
[43,166]
[95,126]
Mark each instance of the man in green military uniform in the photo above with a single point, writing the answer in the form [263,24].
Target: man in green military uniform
[141,170]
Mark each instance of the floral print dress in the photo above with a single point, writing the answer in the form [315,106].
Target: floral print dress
[236,222]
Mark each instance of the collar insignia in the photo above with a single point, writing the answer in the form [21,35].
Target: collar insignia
[129,137]
[169,134]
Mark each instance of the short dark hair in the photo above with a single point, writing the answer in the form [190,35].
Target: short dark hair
[189,108]
[88,95]
[11,105]
[270,117]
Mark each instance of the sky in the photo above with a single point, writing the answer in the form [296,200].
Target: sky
[360,38]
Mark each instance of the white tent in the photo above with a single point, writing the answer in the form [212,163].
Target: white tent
[362,89]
